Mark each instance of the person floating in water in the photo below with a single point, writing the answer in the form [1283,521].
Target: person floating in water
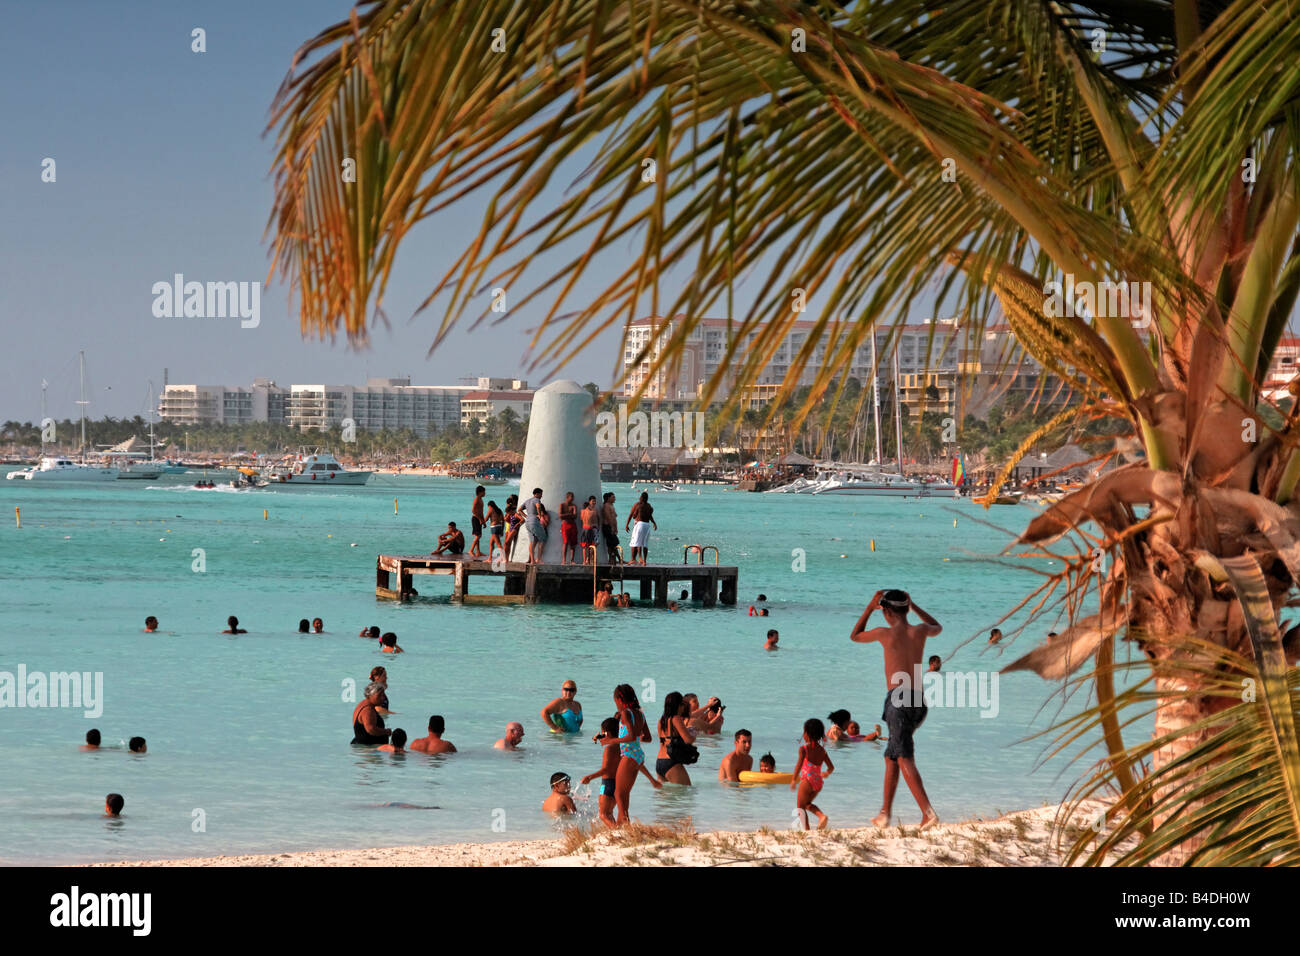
[995,635]
[397,742]
[367,726]
[452,541]
[232,626]
[150,624]
[739,759]
[92,740]
[434,744]
[304,627]
[564,714]
[904,710]
[113,804]
[389,644]
[607,773]
[137,745]
[808,772]
[772,637]
[559,801]
[317,626]
[514,734]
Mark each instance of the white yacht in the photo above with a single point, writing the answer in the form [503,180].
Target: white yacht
[53,468]
[316,468]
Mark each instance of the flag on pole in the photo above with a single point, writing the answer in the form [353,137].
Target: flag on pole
[958,469]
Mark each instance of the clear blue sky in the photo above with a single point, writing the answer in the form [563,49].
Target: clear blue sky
[162,168]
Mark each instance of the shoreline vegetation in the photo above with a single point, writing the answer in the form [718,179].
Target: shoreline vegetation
[1037,837]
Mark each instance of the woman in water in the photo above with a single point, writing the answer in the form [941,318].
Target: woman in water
[839,725]
[367,726]
[808,772]
[674,733]
[564,714]
[632,732]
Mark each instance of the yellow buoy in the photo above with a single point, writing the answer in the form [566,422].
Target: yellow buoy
[873,544]
[18,517]
[264,514]
[394,506]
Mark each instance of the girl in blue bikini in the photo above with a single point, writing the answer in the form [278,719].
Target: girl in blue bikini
[633,730]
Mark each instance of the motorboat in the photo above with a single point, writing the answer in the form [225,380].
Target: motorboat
[316,469]
[52,468]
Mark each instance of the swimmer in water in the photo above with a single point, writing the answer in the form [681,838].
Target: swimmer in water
[624,599]
[772,637]
[379,682]
[995,635]
[559,801]
[304,627]
[317,626]
[398,742]
[934,663]
[232,626]
[434,744]
[604,596]
[839,728]
[514,734]
[608,771]
[137,745]
[92,740]
[808,772]
[767,764]
[709,720]
[371,633]
[739,759]
[564,714]
[388,644]
[113,804]
[150,624]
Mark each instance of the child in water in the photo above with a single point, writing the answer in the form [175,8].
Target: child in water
[388,644]
[113,804]
[559,801]
[808,772]
[607,772]
[398,742]
[767,764]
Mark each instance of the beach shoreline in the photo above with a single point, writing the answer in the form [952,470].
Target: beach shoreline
[1021,838]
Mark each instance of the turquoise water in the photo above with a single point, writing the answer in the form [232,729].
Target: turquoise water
[248,735]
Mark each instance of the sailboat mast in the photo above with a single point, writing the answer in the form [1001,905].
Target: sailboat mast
[898,415]
[875,394]
[82,403]
[44,413]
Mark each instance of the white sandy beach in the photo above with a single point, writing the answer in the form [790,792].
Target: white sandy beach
[1023,838]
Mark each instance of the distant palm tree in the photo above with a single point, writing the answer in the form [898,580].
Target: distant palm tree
[851,156]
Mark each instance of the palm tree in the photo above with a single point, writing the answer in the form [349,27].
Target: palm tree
[854,157]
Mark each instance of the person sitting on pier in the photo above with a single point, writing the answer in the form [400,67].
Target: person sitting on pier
[389,644]
[304,626]
[232,626]
[150,624]
[434,744]
[452,540]
[317,626]
[367,726]
[514,734]
[564,714]
[535,521]
[398,742]
[371,632]
[590,525]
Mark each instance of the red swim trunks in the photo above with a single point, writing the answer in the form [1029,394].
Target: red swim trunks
[569,532]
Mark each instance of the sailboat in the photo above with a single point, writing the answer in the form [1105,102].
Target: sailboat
[136,466]
[58,468]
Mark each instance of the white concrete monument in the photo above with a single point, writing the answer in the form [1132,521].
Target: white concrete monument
[560,456]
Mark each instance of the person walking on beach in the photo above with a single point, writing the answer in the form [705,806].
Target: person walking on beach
[633,731]
[564,714]
[904,648]
[569,528]
[609,526]
[535,521]
[808,772]
[644,516]
[476,522]
[590,525]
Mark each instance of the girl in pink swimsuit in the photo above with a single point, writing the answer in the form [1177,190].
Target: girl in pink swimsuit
[808,772]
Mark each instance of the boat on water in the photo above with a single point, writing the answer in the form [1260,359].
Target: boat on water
[54,468]
[492,476]
[314,469]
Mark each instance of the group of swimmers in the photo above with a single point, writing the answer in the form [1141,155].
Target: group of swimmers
[114,802]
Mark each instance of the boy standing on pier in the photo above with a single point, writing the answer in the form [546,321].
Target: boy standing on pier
[476,522]
[609,525]
[905,710]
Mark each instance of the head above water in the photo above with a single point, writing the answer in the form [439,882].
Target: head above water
[137,745]
[232,621]
[151,623]
[92,738]
[399,738]
[378,674]
[113,803]
[514,731]
[373,632]
[317,625]
[389,639]
[304,626]
[437,725]
[674,706]
[840,718]
[766,763]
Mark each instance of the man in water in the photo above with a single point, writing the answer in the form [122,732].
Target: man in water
[113,804]
[772,637]
[564,714]
[232,626]
[367,726]
[317,626]
[644,516]
[739,759]
[559,801]
[514,734]
[604,596]
[434,744]
[150,624]
[609,526]
[476,522]
[92,740]
[590,528]
[398,742]
[904,710]
[452,541]
[137,745]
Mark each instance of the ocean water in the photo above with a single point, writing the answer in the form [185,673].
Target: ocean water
[248,735]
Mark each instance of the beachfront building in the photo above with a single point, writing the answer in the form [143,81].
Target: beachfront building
[382,403]
[491,397]
[263,401]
